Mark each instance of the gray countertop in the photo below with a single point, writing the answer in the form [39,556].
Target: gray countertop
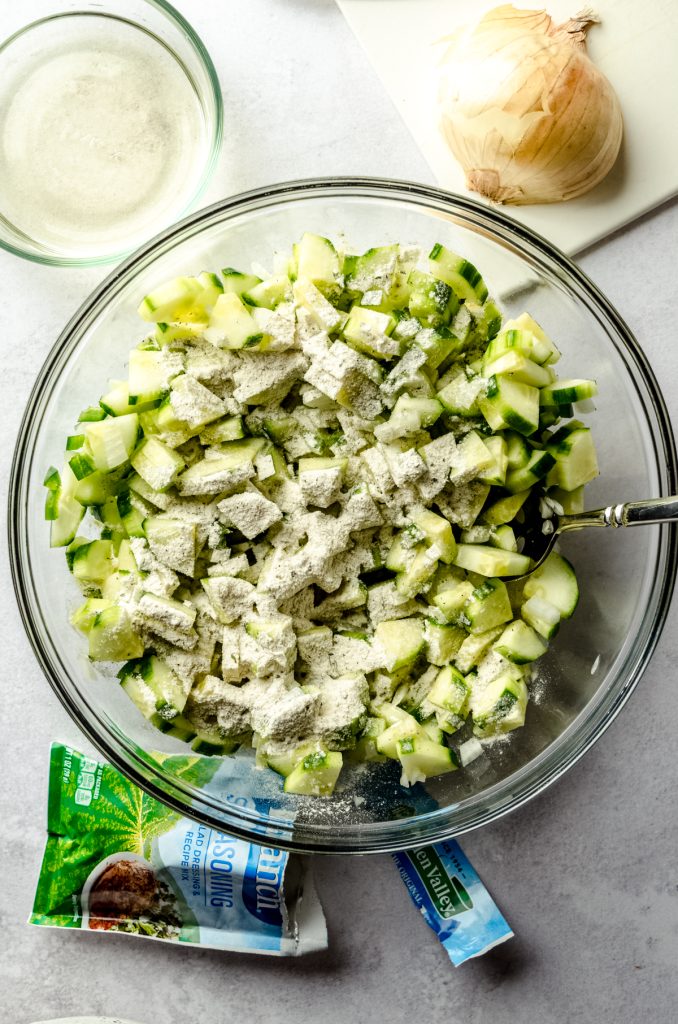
[587,874]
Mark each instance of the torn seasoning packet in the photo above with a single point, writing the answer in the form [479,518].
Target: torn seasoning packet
[453,900]
[118,860]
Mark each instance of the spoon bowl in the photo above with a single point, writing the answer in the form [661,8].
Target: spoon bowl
[539,542]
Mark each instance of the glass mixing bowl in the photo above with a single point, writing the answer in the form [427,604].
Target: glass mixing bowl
[626,578]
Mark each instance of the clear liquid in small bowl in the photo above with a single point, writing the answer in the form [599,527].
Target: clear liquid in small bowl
[103,138]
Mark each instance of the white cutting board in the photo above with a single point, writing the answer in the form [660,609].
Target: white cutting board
[636,46]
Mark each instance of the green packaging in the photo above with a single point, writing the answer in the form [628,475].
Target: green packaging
[118,860]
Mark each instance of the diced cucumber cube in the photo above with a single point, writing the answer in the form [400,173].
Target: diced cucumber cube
[418,572]
[504,510]
[399,556]
[574,451]
[316,260]
[170,693]
[228,429]
[499,707]
[450,691]
[91,414]
[437,345]
[112,637]
[495,474]
[508,403]
[537,467]
[402,641]
[138,691]
[368,331]
[236,282]
[285,763]
[147,376]
[489,561]
[503,537]
[433,730]
[518,366]
[316,774]
[439,534]
[157,464]
[132,518]
[404,727]
[571,502]
[84,616]
[62,507]
[269,294]
[453,601]
[432,301]
[541,615]
[231,325]
[525,336]
[564,392]
[556,582]
[116,401]
[520,643]
[488,606]
[92,562]
[421,759]
[473,649]
[442,642]
[461,275]
[322,312]
[376,270]
[112,441]
[165,334]
[172,301]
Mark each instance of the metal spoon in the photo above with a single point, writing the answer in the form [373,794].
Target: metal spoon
[634,513]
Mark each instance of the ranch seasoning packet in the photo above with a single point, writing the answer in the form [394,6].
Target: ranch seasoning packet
[452,899]
[118,860]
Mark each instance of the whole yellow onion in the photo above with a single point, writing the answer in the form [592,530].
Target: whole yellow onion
[524,109]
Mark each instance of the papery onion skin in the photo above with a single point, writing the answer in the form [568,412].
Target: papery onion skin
[525,111]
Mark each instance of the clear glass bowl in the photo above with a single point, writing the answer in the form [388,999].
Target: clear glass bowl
[626,577]
[110,126]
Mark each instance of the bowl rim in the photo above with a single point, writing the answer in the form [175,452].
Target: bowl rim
[210,97]
[380,837]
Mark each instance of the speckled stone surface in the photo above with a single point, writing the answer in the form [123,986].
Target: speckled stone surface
[587,874]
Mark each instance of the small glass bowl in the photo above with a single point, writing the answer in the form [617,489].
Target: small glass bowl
[625,576]
[79,189]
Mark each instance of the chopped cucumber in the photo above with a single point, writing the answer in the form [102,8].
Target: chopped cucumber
[489,561]
[450,691]
[461,275]
[421,758]
[112,441]
[439,534]
[520,643]
[304,498]
[316,774]
[237,283]
[555,581]
[500,706]
[432,301]
[575,457]
[316,260]
[541,615]
[402,641]
[564,392]
[508,403]
[62,508]
[488,606]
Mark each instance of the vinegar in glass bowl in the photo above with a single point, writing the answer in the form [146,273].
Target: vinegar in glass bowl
[102,134]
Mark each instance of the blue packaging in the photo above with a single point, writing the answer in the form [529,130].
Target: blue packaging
[453,900]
